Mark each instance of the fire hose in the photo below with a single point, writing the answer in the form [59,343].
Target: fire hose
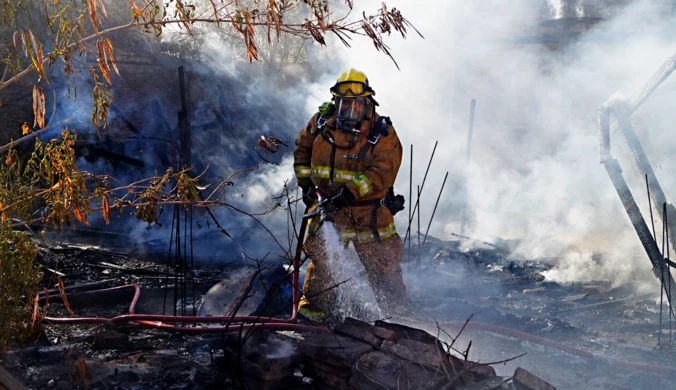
[234,323]
[245,323]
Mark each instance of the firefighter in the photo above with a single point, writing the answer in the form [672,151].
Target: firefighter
[351,155]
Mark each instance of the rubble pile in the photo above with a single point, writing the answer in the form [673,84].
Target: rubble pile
[264,360]
[357,355]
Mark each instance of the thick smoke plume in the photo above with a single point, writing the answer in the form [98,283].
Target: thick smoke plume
[534,175]
[533,178]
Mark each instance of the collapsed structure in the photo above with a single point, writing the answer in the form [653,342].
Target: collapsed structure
[117,336]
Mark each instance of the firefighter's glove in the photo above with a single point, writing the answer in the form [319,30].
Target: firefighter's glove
[308,195]
[342,198]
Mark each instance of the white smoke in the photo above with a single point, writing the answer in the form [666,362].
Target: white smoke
[566,8]
[535,175]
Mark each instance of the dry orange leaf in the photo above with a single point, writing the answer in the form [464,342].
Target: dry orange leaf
[103,60]
[91,7]
[138,10]
[39,106]
[36,308]
[108,48]
[79,215]
[84,373]
[106,210]
[103,9]
[62,291]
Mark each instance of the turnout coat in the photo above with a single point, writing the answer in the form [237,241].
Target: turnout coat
[366,167]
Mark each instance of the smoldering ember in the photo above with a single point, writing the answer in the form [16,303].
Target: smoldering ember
[205,194]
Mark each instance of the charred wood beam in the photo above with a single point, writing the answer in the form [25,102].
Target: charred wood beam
[649,245]
[124,120]
[163,128]
[658,78]
[7,381]
[623,115]
[92,153]
[80,287]
[184,118]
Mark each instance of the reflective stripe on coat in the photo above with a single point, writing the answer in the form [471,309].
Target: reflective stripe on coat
[367,180]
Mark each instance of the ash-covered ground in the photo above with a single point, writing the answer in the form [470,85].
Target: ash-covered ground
[581,335]
[616,326]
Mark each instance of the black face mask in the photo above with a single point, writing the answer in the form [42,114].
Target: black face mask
[351,111]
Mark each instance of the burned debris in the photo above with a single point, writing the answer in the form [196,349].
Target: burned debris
[220,287]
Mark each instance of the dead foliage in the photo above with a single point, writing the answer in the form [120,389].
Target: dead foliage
[62,291]
[72,26]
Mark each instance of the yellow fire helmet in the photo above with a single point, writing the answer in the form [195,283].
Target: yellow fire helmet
[352,83]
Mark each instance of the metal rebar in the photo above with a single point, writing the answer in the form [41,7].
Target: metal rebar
[184,263]
[435,209]
[166,280]
[419,252]
[410,197]
[177,255]
[192,265]
[422,187]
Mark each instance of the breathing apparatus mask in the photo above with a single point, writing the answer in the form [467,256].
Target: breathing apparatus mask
[350,112]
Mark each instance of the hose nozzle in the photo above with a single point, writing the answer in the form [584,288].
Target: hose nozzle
[325,210]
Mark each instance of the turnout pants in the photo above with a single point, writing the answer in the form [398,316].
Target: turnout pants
[382,261]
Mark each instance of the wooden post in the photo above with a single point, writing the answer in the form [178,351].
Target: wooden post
[7,381]
[184,118]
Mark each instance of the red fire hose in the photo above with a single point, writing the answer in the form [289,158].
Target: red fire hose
[235,323]
[158,321]
[244,323]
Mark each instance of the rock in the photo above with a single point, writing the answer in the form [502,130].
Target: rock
[329,369]
[358,331]
[332,380]
[483,371]
[414,351]
[382,371]
[108,339]
[486,384]
[333,349]
[384,334]
[254,383]
[255,370]
[359,356]
[265,356]
[358,385]
[405,332]
[524,380]
[355,384]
